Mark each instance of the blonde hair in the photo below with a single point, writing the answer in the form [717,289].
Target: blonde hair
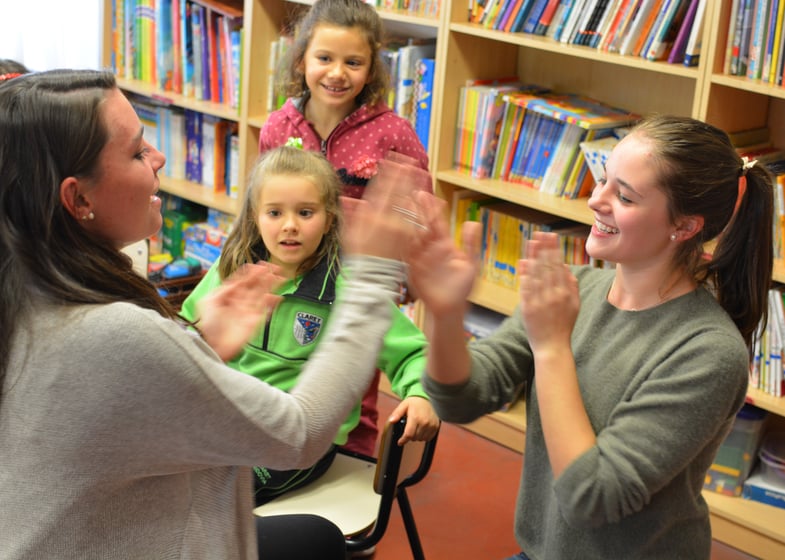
[244,244]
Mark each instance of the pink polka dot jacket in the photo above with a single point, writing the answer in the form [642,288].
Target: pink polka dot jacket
[354,146]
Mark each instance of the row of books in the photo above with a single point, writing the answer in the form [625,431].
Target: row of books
[668,30]
[766,373]
[180,46]
[421,8]
[756,44]
[198,148]
[505,229]
[528,135]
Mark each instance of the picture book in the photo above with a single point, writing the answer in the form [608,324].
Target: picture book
[612,42]
[665,34]
[423,95]
[580,110]
[757,39]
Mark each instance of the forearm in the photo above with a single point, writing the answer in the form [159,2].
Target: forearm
[565,423]
[449,361]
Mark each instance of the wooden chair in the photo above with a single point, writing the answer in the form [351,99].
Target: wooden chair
[357,492]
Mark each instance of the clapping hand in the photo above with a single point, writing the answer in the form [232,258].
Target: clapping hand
[549,293]
[231,314]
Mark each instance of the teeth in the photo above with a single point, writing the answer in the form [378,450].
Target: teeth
[605,229]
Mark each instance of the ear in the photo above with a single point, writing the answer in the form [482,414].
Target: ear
[73,200]
[689,227]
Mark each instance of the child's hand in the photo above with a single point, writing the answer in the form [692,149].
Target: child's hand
[422,424]
[231,314]
[441,274]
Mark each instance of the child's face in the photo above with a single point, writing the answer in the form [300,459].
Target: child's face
[292,220]
[337,65]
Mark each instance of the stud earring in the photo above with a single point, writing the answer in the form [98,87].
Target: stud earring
[88,216]
[673,235]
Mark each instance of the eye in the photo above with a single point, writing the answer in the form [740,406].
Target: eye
[623,198]
[141,154]
[322,58]
[273,213]
[306,212]
[355,63]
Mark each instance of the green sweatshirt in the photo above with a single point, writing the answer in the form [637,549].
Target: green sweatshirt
[280,349]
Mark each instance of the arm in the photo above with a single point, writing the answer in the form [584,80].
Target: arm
[549,306]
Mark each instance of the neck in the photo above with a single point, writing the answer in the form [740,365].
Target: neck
[644,290]
[324,120]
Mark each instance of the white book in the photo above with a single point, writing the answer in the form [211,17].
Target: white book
[572,20]
[636,27]
[693,50]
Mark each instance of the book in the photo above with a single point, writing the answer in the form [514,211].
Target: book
[583,20]
[516,24]
[407,58]
[193,139]
[762,490]
[676,54]
[664,36]
[423,95]
[572,20]
[649,27]
[645,9]
[605,22]
[588,35]
[547,17]
[620,27]
[163,43]
[187,47]
[693,49]
[768,37]
[564,12]
[777,47]
[757,39]
[730,44]
[745,36]
[596,153]
[780,51]
[510,7]
[533,18]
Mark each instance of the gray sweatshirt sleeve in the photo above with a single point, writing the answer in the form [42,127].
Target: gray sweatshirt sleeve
[166,396]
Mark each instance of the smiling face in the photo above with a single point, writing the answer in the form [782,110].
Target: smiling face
[291,219]
[121,194]
[336,65]
[632,222]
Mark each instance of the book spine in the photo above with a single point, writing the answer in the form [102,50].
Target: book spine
[680,43]
[756,45]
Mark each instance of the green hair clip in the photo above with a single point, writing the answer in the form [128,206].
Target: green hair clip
[294,142]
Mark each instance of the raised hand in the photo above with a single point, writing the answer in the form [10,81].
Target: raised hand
[441,274]
[231,314]
[549,294]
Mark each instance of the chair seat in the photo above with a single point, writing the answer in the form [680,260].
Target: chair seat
[344,495]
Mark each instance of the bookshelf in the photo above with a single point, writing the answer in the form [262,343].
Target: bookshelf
[470,51]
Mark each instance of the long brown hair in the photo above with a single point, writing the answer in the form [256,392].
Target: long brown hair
[52,127]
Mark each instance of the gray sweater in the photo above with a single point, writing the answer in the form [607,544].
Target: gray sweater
[661,387]
[121,432]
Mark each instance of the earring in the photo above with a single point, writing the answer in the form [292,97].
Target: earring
[673,235]
[88,216]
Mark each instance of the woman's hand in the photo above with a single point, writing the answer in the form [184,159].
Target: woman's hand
[549,294]
[441,274]
[231,314]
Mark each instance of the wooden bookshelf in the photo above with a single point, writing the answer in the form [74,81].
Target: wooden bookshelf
[469,51]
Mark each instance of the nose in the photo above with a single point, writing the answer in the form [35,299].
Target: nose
[598,199]
[335,70]
[157,157]
[290,222]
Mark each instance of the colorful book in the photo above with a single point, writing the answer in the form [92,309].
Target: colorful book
[665,34]
[533,18]
[676,54]
[776,50]
[636,29]
[547,17]
[768,52]
[423,94]
[757,39]
[745,36]
[612,42]
[693,50]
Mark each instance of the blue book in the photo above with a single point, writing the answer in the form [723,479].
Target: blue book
[535,151]
[568,5]
[424,99]
[534,16]
[520,20]
[187,48]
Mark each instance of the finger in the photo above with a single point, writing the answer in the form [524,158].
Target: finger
[471,238]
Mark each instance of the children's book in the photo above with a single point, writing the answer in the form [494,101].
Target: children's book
[665,33]
[636,28]
[745,37]
[612,42]
[547,17]
[680,43]
[693,50]
[408,55]
[423,95]
[757,39]
[771,25]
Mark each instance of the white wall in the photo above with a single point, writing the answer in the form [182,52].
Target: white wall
[46,34]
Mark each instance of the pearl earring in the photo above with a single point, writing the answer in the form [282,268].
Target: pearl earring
[88,216]
[673,236]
